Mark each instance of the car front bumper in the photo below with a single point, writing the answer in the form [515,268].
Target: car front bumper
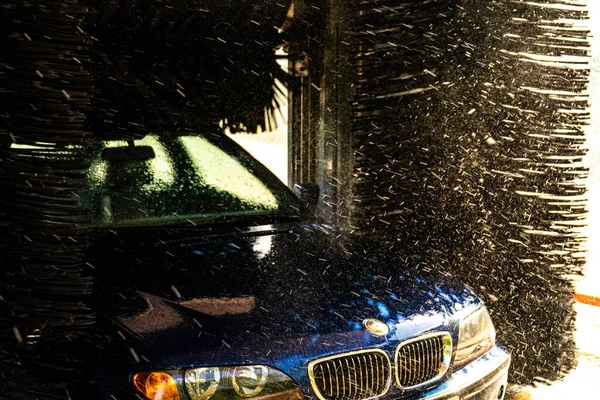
[483,379]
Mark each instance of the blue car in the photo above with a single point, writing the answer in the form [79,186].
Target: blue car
[214,282]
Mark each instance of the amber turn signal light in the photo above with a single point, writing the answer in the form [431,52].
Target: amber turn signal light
[156,385]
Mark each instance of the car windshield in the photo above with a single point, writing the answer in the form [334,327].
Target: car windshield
[172,178]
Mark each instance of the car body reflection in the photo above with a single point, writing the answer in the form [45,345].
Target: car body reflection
[222,287]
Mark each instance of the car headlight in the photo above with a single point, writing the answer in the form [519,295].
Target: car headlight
[476,335]
[202,383]
[218,383]
[248,381]
[157,385]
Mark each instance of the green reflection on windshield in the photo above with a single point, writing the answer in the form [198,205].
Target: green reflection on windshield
[173,179]
[225,173]
[160,168]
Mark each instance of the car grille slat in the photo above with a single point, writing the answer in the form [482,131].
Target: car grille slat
[367,375]
[359,375]
[361,382]
[330,380]
[372,368]
[428,350]
[422,371]
[422,360]
[411,364]
[344,384]
[355,375]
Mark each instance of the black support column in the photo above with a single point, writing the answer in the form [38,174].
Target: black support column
[320,140]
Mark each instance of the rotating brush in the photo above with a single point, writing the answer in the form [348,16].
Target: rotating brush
[44,287]
[468,120]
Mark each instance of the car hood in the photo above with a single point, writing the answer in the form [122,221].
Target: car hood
[270,294]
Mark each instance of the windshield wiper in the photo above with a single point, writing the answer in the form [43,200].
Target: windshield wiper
[191,222]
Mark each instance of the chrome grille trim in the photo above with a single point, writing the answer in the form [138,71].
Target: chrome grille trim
[422,360]
[358,375]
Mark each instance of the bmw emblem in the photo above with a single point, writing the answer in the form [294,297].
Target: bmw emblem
[376,327]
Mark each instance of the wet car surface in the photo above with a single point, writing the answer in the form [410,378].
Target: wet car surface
[242,294]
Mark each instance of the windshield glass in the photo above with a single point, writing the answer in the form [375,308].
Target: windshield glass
[163,179]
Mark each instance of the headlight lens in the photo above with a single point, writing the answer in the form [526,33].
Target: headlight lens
[202,383]
[156,385]
[476,334]
[248,381]
[221,383]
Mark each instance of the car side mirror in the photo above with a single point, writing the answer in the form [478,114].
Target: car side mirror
[307,193]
